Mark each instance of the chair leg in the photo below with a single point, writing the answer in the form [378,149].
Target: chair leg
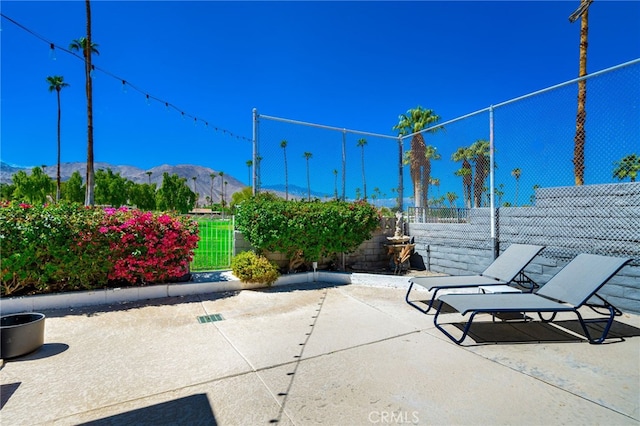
[607,327]
[418,307]
[449,335]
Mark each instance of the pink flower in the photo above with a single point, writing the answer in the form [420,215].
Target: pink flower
[103,230]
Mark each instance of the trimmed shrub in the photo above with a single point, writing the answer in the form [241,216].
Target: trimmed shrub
[253,268]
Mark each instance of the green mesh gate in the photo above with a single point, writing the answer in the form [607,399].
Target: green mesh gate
[215,247]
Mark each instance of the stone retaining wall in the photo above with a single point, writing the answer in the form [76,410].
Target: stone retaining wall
[570,220]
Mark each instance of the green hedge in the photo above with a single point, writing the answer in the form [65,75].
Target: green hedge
[63,247]
[306,231]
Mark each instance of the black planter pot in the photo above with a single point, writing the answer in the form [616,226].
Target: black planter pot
[21,334]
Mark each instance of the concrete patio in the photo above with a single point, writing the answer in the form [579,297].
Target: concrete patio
[313,353]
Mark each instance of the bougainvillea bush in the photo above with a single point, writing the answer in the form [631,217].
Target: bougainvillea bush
[64,247]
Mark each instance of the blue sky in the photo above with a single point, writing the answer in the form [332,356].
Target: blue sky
[356,65]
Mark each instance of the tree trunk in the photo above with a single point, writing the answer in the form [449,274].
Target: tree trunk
[90,177]
[364,181]
[58,172]
[418,155]
[286,177]
[579,139]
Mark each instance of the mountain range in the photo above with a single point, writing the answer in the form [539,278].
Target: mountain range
[203,181]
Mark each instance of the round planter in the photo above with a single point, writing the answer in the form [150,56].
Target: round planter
[21,334]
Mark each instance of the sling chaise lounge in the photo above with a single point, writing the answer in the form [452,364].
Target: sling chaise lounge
[507,268]
[574,286]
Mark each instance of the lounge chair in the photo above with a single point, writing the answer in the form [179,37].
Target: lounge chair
[574,286]
[507,268]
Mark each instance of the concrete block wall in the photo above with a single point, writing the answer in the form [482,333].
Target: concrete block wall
[567,221]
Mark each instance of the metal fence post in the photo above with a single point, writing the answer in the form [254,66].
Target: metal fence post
[256,165]
[492,207]
[344,163]
[400,176]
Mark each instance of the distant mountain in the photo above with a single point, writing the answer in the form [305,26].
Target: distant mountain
[203,182]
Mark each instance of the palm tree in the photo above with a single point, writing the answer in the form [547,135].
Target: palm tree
[307,156]
[361,143]
[581,115]
[451,197]
[435,182]
[464,154]
[628,167]
[249,163]
[194,189]
[212,176]
[57,83]
[149,176]
[480,151]
[516,174]
[283,145]
[429,154]
[413,121]
[221,174]
[335,182]
[499,193]
[88,48]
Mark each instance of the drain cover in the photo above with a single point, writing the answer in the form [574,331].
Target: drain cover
[210,318]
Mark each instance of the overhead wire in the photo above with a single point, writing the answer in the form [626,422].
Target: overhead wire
[124,81]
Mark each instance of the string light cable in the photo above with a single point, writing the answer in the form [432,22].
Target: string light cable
[125,83]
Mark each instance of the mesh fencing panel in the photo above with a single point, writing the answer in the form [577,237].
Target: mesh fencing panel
[300,161]
[535,140]
[535,189]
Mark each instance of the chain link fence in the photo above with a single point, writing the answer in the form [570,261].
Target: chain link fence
[299,160]
[507,173]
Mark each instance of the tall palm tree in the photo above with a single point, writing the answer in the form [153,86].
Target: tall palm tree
[249,163]
[581,114]
[361,143]
[283,145]
[451,197]
[88,48]
[221,174]
[429,154]
[212,176]
[480,152]
[628,167]
[413,121]
[57,83]
[464,154]
[516,174]
[436,182]
[307,156]
[149,176]
[335,183]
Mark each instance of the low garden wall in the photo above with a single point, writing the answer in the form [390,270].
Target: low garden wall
[602,219]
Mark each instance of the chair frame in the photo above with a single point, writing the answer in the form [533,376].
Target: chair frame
[521,279]
[553,306]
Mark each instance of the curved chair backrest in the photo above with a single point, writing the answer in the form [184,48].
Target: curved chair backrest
[581,278]
[513,260]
